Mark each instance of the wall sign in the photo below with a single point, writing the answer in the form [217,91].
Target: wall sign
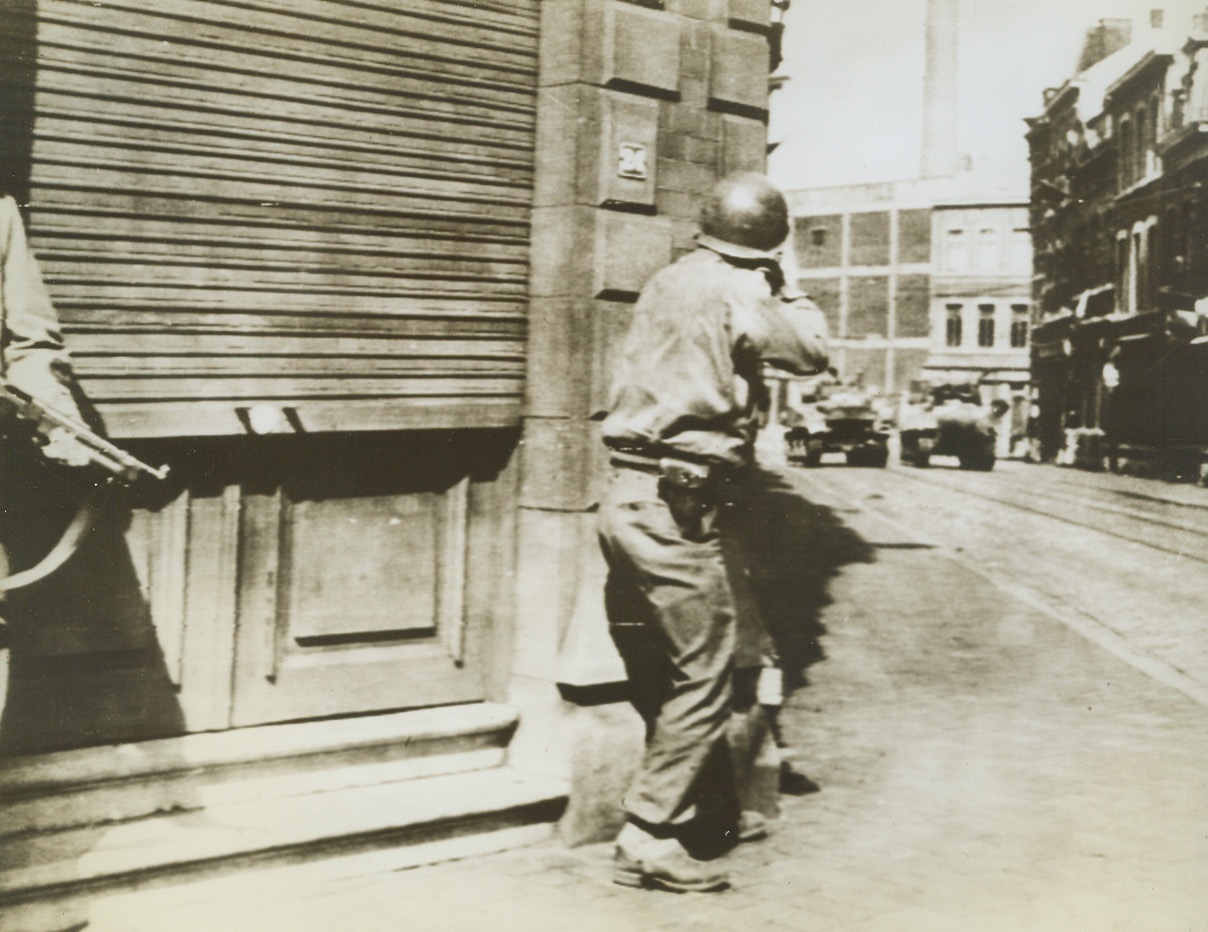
[631,161]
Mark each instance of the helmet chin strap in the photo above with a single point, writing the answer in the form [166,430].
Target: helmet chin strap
[737,251]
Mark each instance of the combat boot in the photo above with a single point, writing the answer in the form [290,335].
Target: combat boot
[644,860]
[752,826]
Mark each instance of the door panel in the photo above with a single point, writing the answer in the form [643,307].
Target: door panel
[394,539]
[353,582]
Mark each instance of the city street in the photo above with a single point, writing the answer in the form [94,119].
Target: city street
[377,388]
[1123,560]
[1004,708]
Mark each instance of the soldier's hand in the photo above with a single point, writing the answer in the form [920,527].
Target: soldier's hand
[59,445]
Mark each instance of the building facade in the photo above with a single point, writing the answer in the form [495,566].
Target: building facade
[354,272]
[980,294]
[1119,161]
[925,282]
[864,254]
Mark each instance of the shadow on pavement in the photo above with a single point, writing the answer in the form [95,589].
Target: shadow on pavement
[790,549]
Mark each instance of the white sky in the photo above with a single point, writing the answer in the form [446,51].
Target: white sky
[852,109]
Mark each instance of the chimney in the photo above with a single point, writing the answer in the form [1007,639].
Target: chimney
[940,155]
[1109,36]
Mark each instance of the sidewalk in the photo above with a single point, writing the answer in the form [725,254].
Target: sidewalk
[982,768]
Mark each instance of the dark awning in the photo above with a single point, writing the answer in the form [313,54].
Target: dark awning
[1053,330]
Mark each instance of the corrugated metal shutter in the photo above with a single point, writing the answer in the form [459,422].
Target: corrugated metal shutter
[318,204]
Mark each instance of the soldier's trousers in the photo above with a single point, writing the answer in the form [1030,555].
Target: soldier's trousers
[671,613]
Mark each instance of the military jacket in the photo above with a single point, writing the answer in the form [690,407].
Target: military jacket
[32,355]
[688,374]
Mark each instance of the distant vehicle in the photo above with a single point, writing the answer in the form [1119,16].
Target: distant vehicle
[839,419]
[953,423]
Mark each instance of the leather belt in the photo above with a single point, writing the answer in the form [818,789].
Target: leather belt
[657,466]
[628,460]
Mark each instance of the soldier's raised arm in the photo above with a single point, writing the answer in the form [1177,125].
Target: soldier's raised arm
[32,355]
[790,333]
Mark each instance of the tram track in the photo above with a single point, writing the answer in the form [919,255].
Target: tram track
[1047,539]
[1185,539]
[1077,495]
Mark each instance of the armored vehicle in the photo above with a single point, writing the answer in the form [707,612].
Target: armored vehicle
[840,419]
[953,423]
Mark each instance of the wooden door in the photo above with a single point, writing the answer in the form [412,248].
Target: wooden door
[355,592]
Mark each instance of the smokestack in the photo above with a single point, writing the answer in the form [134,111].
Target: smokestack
[940,155]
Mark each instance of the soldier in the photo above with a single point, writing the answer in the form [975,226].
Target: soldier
[680,430]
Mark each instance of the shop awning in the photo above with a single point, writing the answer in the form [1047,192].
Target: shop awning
[1095,302]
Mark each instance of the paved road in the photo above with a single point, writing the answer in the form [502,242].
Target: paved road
[1123,560]
[985,764]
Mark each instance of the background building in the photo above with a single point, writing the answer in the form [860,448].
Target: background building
[1119,161]
[925,280]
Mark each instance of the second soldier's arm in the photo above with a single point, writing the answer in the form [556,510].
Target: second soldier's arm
[34,357]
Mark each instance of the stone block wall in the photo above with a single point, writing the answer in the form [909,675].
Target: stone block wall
[642,106]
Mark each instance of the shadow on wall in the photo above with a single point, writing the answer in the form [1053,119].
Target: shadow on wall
[790,548]
[85,668]
[18,67]
[85,665]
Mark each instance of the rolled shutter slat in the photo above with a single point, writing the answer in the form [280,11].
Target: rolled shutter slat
[298,203]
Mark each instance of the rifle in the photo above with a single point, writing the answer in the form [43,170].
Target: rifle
[54,429]
[58,433]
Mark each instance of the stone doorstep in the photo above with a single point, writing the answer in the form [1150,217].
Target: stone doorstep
[120,782]
[251,900]
[434,818]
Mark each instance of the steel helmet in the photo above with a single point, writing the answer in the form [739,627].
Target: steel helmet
[747,212]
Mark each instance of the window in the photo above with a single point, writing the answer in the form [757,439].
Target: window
[1151,154]
[1147,280]
[1141,139]
[1019,326]
[1021,250]
[955,258]
[987,249]
[818,236]
[1193,249]
[954,329]
[985,325]
[1137,267]
[1124,153]
[1123,274]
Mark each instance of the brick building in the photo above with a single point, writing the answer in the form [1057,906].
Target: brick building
[354,271]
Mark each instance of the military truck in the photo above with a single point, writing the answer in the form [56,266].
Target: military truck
[837,419]
[953,422]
